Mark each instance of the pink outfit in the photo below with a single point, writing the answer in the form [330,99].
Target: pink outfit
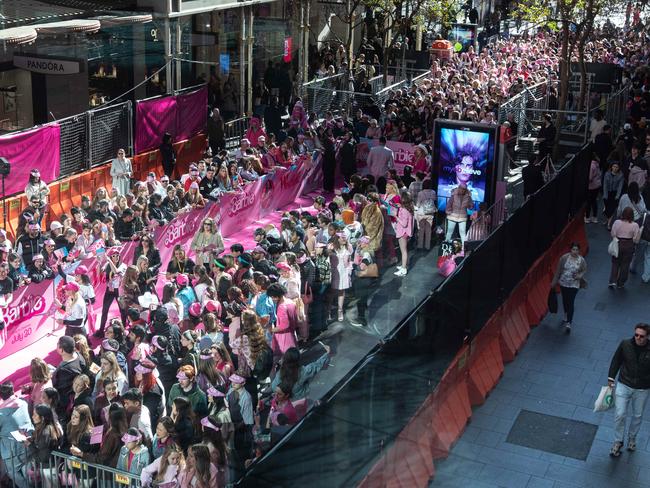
[187,476]
[287,322]
[403,224]
[254,134]
[148,473]
[421,165]
[595,176]
[287,409]
[35,395]
[625,230]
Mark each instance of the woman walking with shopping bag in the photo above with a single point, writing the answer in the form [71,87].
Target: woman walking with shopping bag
[569,274]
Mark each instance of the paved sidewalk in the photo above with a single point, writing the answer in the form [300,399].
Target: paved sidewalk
[559,375]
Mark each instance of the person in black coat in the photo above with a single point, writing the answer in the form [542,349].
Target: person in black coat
[273,118]
[39,271]
[533,177]
[160,326]
[168,154]
[147,248]
[166,364]
[347,156]
[329,162]
[159,212]
[72,365]
[183,418]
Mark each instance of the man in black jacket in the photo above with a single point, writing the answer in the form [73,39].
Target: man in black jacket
[631,362]
[71,366]
[124,227]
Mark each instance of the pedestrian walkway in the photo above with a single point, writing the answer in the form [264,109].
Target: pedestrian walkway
[560,376]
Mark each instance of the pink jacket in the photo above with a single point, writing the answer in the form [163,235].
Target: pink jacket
[148,473]
[186,477]
[595,176]
[403,224]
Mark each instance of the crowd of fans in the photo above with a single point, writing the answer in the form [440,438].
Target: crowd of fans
[196,378]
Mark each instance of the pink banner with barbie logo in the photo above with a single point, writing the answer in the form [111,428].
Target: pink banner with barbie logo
[34,149]
[403,154]
[28,317]
[236,210]
[30,314]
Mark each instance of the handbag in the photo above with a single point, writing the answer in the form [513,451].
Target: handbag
[308,296]
[612,249]
[371,271]
[583,283]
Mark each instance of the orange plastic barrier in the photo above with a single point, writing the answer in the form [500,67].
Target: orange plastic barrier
[408,462]
[66,193]
[472,374]
[485,362]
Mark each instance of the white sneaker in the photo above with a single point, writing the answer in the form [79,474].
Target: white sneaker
[587,220]
[594,220]
[399,270]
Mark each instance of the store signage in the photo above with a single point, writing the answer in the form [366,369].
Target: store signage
[286,57]
[47,66]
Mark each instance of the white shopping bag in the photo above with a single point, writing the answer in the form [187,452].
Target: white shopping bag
[605,399]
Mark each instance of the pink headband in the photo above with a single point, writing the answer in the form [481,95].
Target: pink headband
[206,356]
[182,376]
[238,380]
[107,346]
[154,341]
[131,438]
[213,392]
[205,422]
[142,369]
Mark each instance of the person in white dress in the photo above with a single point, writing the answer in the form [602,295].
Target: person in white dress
[121,171]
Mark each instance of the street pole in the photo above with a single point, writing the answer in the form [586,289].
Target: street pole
[250,60]
[242,64]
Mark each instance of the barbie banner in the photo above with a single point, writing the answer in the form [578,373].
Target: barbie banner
[28,317]
[34,149]
[403,153]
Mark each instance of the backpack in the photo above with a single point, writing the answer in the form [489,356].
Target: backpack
[263,364]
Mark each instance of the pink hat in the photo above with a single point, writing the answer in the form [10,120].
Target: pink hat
[213,392]
[194,185]
[283,266]
[213,306]
[37,256]
[236,379]
[81,270]
[182,279]
[71,287]
[113,251]
[154,342]
[106,346]
[35,172]
[259,249]
[195,309]
[321,245]
[182,376]
[205,422]
[131,438]
[56,225]
[364,240]
[49,242]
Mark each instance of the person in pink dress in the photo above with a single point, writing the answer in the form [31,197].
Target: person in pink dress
[284,332]
[403,226]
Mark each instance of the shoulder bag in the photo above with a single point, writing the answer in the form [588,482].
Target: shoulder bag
[612,249]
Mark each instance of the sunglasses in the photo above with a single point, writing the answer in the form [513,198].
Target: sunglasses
[641,336]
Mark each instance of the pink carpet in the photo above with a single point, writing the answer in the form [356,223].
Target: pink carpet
[15,368]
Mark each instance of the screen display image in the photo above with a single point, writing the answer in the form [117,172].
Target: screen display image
[463,36]
[465,157]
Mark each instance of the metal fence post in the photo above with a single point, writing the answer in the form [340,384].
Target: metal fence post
[89,131]
[129,109]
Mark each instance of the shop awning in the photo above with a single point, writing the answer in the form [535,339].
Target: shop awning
[18,35]
[69,26]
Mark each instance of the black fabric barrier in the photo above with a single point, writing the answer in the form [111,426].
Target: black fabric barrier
[338,442]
